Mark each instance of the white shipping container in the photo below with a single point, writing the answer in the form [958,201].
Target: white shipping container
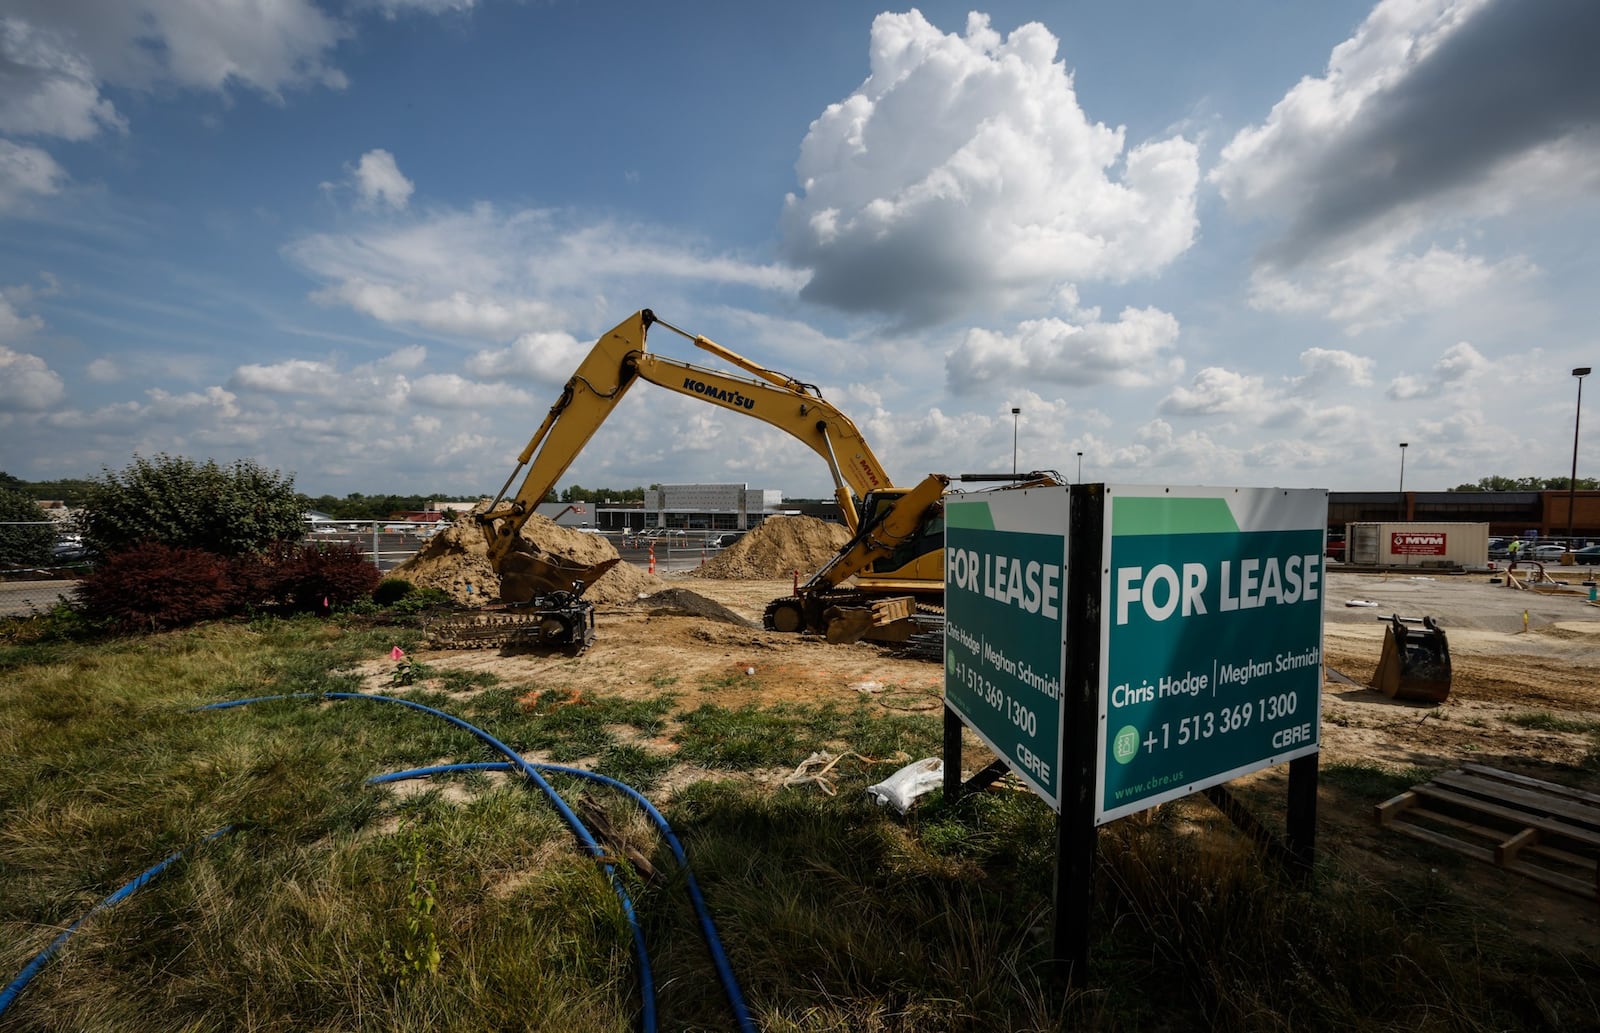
[1417,544]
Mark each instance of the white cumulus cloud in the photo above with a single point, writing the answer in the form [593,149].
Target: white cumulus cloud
[1329,366]
[57,57]
[1216,390]
[1459,363]
[450,391]
[487,273]
[13,324]
[963,170]
[379,181]
[26,171]
[103,371]
[547,357]
[378,386]
[1376,284]
[1434,116]
[1135,350]
[27,383]
[47,88]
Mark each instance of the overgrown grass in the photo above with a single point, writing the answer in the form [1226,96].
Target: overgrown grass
[1545,721]
[752,736]
[462,904]
[1372,781]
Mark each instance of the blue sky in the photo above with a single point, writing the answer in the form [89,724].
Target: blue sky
[366,241]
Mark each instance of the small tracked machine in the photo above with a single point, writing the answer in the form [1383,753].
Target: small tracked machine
[541,607]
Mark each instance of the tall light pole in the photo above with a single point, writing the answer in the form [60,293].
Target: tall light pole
[1403,480]
[1572,484]
[1015,411]
[1080,469]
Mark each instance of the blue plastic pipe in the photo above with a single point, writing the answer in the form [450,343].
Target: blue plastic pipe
[708,929]
[9,994]
[647,990]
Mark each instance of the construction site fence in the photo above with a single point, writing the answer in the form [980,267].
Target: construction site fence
[388,546]
[39,586]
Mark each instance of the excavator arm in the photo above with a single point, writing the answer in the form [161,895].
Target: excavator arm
[619,359]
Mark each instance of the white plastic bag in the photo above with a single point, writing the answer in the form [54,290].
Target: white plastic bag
[902,788]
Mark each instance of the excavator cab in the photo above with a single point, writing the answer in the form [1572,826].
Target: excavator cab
[919,557]
[1415,664]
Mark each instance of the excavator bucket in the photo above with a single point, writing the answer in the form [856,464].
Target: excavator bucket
[882,620]
[1415,664]
[525,576]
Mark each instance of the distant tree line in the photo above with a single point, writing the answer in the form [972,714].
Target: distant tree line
[1499,483]
[578,493]
[356,506]
[72,490]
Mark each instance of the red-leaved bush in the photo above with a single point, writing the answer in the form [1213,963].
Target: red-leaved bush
[152,587]
[313,578]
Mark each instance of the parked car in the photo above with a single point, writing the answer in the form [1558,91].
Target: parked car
[69,550]
[1588,555]
[1547,551]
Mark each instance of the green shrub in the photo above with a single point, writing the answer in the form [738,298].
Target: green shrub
[391,590]
[183,504]
[422,599]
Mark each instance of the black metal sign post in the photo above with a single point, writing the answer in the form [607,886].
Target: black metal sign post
[1301,832]
[1076,833]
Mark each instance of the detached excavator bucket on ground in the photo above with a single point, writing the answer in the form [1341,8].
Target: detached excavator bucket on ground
[1415,664]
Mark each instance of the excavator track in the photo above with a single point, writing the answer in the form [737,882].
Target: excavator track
[818,613]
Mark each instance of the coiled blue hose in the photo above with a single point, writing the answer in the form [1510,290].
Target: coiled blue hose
[647,991]
[9,994]
[708,929]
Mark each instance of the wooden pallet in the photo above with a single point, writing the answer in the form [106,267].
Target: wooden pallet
[1548,832]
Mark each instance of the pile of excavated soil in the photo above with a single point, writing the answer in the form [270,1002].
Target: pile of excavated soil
[680,602]
[777,548]
[456,561]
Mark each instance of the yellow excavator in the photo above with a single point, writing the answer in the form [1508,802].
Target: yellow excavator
[897,534]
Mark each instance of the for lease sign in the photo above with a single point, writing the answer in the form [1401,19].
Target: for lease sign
[1416,543]
[1005,583]
[1211,638]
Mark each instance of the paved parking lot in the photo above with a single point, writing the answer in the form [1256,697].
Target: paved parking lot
[22,597]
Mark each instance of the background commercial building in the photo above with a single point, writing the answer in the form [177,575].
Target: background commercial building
[694,507]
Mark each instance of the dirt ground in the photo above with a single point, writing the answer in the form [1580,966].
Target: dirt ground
[702,639]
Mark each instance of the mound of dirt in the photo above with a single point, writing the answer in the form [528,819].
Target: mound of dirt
[456,561]
[777,548]
[680,602]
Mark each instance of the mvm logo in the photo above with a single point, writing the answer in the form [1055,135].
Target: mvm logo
[1417,543]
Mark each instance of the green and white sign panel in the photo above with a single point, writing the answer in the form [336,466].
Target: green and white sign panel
[1211,638]
[1005,584]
